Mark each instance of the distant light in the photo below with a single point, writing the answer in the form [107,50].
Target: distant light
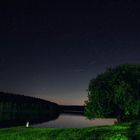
[27,124]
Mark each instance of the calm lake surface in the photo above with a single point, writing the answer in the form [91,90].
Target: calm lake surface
[72,121]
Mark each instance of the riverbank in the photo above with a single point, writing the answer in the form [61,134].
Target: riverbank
[123,131]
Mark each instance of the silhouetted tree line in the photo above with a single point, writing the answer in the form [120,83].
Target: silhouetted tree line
[20,107]
[78,108]
[72,109]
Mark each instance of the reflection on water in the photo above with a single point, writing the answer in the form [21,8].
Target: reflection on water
[73,120]
[21,121]
[55,120]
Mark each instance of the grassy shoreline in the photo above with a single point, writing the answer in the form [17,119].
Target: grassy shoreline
[124,131]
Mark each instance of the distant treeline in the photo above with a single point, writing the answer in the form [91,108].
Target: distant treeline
[20,107]
[72,109]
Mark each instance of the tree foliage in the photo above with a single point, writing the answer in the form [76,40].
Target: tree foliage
[115,93]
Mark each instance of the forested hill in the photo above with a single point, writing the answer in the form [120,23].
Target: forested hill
[20,108]
[10,97]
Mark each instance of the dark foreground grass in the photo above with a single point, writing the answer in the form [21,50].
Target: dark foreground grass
[126,131]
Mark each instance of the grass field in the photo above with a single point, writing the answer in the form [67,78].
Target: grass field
[125,131]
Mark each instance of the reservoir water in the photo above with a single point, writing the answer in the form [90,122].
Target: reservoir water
[73,121]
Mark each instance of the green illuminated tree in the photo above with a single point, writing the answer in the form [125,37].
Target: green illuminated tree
[115,93]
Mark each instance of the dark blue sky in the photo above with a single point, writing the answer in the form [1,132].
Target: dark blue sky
[52,50]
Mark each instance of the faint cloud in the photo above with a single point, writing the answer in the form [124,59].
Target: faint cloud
[91,63]
[85,67]
[79,70]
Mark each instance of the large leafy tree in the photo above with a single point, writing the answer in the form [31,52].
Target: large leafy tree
[115,93]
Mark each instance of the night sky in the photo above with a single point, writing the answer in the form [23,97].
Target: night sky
[52,50]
